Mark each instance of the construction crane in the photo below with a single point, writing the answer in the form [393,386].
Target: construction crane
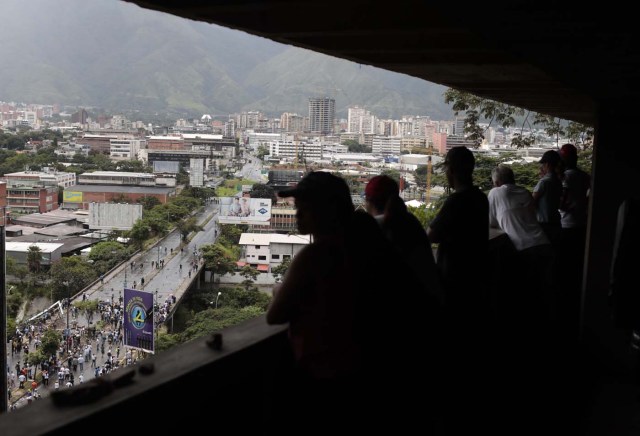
[427,196]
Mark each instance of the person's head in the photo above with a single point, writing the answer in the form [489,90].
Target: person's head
[323,203]
[378,192]
[459,164]
[549,162]
[502,175]
[569,155]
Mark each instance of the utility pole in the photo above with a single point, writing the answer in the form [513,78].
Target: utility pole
[427,194]
[4,401]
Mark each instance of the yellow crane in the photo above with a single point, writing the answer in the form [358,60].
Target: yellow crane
[427,196]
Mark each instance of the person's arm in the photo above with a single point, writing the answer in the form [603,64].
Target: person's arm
[493,219]
[287,295]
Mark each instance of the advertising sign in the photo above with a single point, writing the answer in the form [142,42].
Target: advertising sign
[113,216]
[244,210]
[138,319]
[72,197]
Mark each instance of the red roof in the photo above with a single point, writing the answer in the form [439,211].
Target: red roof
[263,267]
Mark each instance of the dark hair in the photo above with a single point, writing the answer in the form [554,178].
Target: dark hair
[461,161]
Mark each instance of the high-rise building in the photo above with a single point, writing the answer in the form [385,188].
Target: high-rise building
[322,112]
[360,121]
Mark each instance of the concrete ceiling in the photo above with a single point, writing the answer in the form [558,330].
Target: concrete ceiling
[549,58]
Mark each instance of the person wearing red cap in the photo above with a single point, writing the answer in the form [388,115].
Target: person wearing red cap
[404,231]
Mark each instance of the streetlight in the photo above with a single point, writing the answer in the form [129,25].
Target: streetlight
[68,332]
[218,296]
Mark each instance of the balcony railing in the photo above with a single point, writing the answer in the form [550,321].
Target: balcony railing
[188,384]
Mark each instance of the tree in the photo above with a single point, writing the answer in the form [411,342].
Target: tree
[70,275]
[355,147]
[260,190]
[139,233]
[230,234]
[280,270]
[262,152]
[51,342]
[35,358]
[505,115]
[218,259]
[106,255]
[250,275]
[148,202]
[89,306]
[187,226]
[34,258]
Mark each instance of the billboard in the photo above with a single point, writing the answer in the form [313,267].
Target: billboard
[113,216]
[196,172]
[245,210]
[166,167]
[72,197]
[138,319]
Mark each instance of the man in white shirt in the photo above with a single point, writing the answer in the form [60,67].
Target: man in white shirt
[512,209]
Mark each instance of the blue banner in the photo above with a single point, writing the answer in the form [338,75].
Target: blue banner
[138,319]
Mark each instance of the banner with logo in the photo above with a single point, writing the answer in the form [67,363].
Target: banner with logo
[244,210]
[138,319]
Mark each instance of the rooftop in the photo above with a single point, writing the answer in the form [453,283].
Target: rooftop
[120,188]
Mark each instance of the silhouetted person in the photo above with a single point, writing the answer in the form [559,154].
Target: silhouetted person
[576,185]
[547,194]
[624,292]
[333,296]
[404,231]
[461,230]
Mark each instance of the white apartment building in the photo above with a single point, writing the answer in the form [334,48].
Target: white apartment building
[309,150]
[386,144]
[125,149]
[264,251]
[360,120]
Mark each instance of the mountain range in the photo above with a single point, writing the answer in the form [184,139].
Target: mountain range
[121,58]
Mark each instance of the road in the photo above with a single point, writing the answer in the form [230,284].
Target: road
[165,281]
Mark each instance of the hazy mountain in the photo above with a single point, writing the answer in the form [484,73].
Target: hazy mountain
[117,56]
